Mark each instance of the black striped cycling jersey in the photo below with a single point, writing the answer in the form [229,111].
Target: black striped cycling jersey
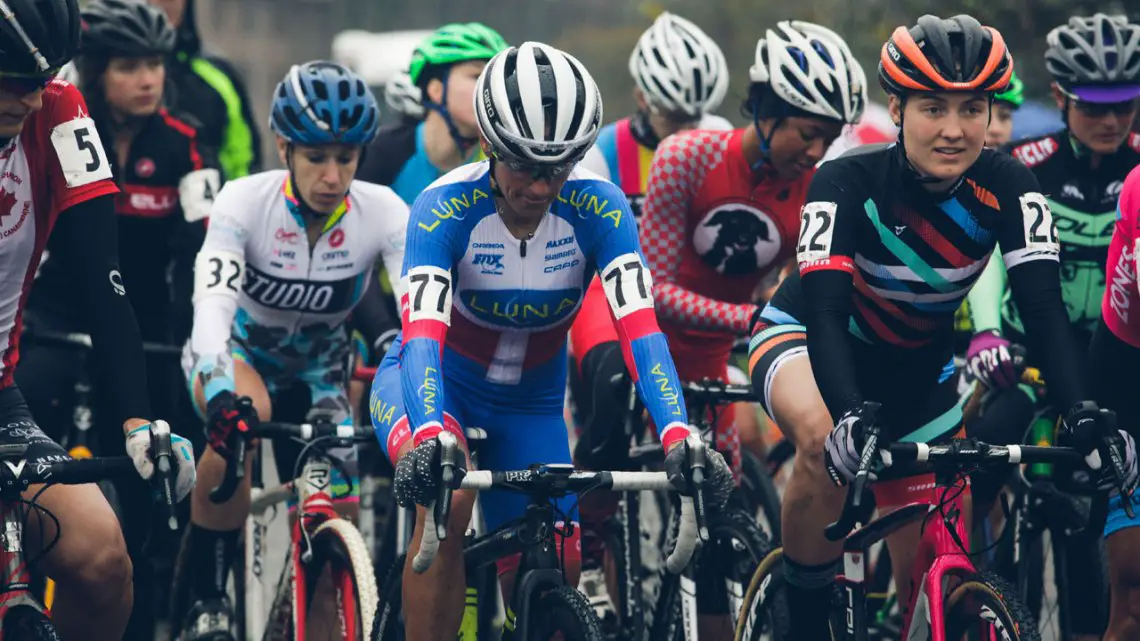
[884,263]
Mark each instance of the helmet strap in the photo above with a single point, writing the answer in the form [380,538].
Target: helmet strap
[461,143]
[765,140]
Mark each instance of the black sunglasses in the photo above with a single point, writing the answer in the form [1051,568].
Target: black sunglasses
[1102,109]
[537,171]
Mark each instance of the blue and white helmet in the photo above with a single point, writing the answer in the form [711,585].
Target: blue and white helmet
[323,103]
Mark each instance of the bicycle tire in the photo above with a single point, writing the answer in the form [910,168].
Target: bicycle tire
[26,623]
[630,579]
[388,624]
[760,490]
[737,546]
[987,597]
[565,610]
[338,544]
[765,611]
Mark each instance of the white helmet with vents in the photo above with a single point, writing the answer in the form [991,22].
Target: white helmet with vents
[811,68]
[403,96]
[678,67]
[536,104]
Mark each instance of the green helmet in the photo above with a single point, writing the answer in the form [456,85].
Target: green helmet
[453,43]
[1013,93]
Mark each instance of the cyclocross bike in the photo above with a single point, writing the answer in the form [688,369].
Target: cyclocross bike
[953,600]
[320,540]
[543,606]
[22,616]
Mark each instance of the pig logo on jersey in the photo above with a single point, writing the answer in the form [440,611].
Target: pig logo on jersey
[737,239]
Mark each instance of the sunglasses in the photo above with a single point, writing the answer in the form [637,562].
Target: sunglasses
[19,84]
[1102,109]
[536,171]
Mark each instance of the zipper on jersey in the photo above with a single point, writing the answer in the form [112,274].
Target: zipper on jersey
[522,249]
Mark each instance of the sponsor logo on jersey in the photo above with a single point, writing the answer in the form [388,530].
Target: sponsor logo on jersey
[8,203]
[586,202]
[562,254]
[550,269]
[144,167]
[1112,191]
[291,237]
[146,201]
[490,263]
[559,243]
[453,207]
[487,245]
[284,253]
[737,238]
[521,308]
[336,239]
[320,297]
[1071,191]
[1036,152]
[1123,283]
[338,254]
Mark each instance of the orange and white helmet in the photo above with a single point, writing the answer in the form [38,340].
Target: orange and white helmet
[936,55]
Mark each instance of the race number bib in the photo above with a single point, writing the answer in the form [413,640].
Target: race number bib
[429,294]
[628,285]
[218,272]
[817,225]
[196,193]
[1040,232]
[80,152]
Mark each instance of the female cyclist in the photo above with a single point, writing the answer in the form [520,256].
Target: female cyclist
[891,240]
[489,306]
[306,239]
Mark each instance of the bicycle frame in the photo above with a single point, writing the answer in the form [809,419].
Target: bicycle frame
[315,507]
[938,559]
[17,583]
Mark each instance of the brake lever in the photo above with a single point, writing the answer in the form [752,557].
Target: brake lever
[698,462]
[165,470]
[1117,464]
[235,472]
[855,510]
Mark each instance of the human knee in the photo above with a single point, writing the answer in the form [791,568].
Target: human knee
[97,563]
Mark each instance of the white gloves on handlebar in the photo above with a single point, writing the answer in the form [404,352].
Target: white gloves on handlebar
[141,451]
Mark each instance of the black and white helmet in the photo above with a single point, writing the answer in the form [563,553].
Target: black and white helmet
[1102,51]
[536,104]
[678,67]
[811,68]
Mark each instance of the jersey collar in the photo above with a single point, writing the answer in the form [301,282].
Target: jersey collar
[295,206]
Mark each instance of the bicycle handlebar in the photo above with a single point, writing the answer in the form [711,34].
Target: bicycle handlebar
[80,340]
[692,518]
[953,455]
[307,432]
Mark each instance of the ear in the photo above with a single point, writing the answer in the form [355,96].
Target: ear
[435,90]
[282,150]
[895,107]
[1059,96]
[485,146]
[639,97]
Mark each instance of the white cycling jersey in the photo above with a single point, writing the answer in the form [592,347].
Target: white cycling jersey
[285,302]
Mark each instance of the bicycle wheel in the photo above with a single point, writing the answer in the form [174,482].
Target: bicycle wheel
[563,613]
[764,614]
[761,493]
[736,548]
[984,607]
[632,590]
[388,624]
[337,545]
[26,623]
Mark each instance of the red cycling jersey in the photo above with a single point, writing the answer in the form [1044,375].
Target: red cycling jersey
[55,163]
[1121,304]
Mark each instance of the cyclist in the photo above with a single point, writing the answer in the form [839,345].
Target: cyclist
[411,155]
[286,257]
[209,89]
[1114,354]
[55,182]
[166,181]
[1080,169]
[891,241]
[502,363]
[1006,102]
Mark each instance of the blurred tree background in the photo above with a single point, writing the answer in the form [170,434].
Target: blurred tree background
[264,37]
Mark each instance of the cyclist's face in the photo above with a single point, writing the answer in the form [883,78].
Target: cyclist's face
[322,174]
[1000,130]
[133,86]
[15,109]
[528,193]
[460,94]
[174,9]
[1102,127]
[944,132]
[798,144]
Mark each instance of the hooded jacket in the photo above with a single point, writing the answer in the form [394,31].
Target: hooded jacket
[209,90]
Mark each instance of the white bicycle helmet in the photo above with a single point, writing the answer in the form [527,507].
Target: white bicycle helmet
[403,96]
[678,67]
[536,104]
[811,68]
[1097,59]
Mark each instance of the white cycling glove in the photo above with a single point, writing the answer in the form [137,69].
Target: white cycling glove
[139,447]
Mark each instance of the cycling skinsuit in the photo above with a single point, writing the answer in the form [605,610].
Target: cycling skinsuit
[55,163]
[498,359]
[712,229]
[283,303]
[883,265]
[1120,310]
[1083,202]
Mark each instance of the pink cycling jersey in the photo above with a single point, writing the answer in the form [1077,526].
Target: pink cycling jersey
[1121,305]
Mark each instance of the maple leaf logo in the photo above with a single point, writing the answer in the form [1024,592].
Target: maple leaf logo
[7,202]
